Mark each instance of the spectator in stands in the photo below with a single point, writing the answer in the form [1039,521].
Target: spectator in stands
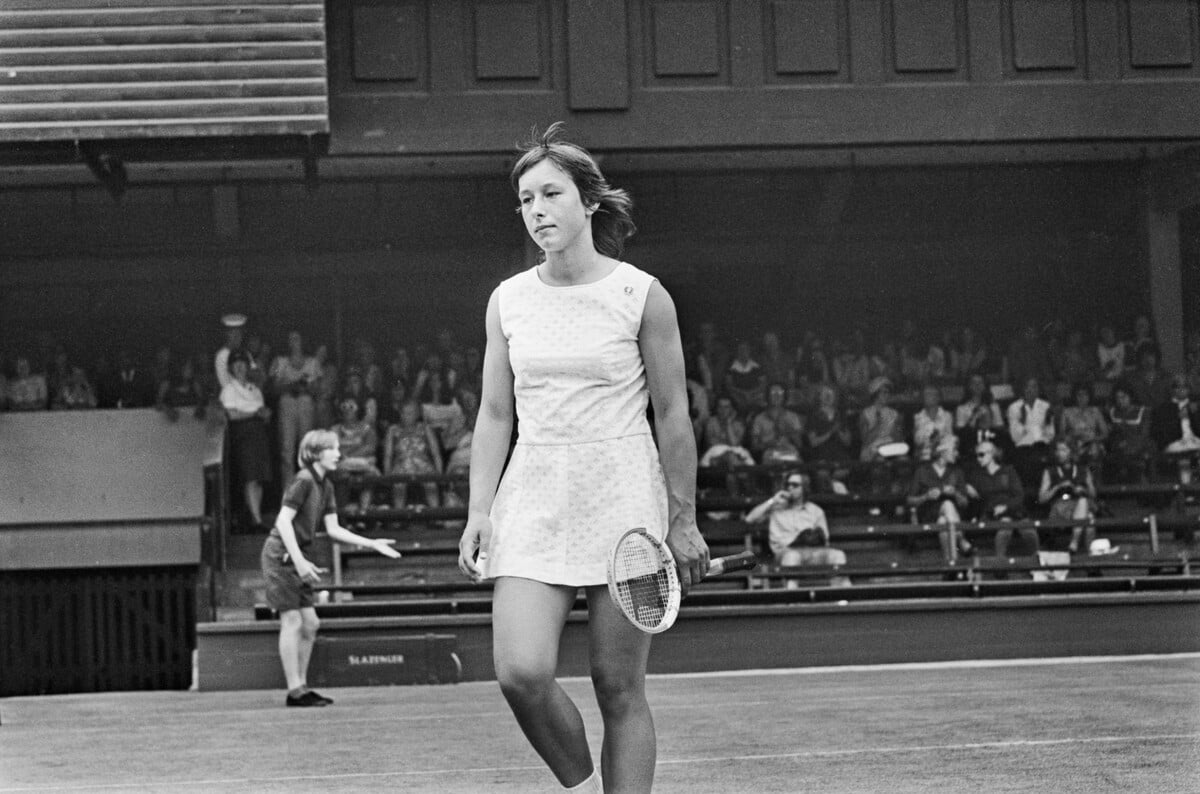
[1031,428]
[797,530]
[932,423]
[1191,360]
[27,390]
[359,443]
[879,424]
[439,408]
[412,447]
[363,358]
[1151,384]
[249,444]
[128,386]
[1083,426]
[389,409]
[745,381]
[58,372]
[308,506]
[711,357]
[999,495]
[774,362]
[1175,425]
[852,370]
[1143,339]
[1110,354]
[979,409]
[458,444]
[827,435]
[400,366]
[182,388]
[1069,492]
[1130,446]
[75,392]
[968,355]
[1027,359]
[324,388]
[292,378]
[774,422]
[472,369]
[258,354]
[814,361]
[1075,365]
[725,438]
[938,493]
[234,331]
[355,389]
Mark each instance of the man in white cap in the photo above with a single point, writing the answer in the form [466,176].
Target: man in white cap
[233,341]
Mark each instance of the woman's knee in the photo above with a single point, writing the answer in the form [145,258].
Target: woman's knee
[791,558]
[524,679]
[618,689]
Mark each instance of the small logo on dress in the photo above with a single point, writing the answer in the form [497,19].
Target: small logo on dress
[629,290]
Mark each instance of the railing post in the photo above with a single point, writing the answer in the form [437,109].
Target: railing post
[1152,519]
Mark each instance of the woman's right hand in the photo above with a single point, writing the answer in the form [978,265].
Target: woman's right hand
[474,544]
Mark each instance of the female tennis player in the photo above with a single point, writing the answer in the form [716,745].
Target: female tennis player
[576,348]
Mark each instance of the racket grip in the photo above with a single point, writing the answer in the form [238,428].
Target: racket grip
[737,562]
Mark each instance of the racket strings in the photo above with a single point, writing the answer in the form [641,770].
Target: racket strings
[643,584]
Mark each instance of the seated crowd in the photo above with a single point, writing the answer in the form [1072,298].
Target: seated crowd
[1065,412]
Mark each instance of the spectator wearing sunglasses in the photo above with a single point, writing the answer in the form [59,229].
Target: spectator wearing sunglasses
[997,490]
[797,530]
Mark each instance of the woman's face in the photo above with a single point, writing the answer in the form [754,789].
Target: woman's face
[1122,399]
[295,343]
[1031,390]
[409,414]
[1062,452]
[975,386]
[985,454]
[1082,398]
[931,398]
[239,369]
[552,208]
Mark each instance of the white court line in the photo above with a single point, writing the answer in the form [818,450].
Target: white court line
[808,754]
[964,664]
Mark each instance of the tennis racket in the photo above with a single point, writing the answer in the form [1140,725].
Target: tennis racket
[643,582]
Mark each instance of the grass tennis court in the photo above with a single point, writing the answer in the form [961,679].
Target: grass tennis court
[1128,724]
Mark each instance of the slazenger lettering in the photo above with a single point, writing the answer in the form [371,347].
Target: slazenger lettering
[393,658]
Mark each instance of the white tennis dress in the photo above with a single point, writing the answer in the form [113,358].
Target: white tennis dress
[585,468]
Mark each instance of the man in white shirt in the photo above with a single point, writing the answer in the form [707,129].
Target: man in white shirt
[1031,427]
[798,532]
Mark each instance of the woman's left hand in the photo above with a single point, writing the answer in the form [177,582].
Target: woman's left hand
[690,552]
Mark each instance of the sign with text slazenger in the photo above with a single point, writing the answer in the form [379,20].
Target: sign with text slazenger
[385,660]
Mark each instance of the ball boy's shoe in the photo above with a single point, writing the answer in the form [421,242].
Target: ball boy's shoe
[308,699]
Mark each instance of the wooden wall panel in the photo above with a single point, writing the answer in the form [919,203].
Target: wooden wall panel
[927,36]
[1161,33]
[390,42]
[687,42]
[508,39]
[598,55]
[807,38]
[1045,35]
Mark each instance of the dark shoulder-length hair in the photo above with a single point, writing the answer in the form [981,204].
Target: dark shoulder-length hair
[612,221]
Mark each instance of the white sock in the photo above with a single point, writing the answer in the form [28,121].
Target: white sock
[590,786]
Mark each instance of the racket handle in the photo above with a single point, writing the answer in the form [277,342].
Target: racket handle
[737,562]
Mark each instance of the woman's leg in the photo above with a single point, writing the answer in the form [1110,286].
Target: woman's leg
[618,658]
[527,622]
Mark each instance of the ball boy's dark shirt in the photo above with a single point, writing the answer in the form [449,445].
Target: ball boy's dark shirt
[312,498]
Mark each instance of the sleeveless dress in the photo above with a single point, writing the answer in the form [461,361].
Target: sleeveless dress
[585,468]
